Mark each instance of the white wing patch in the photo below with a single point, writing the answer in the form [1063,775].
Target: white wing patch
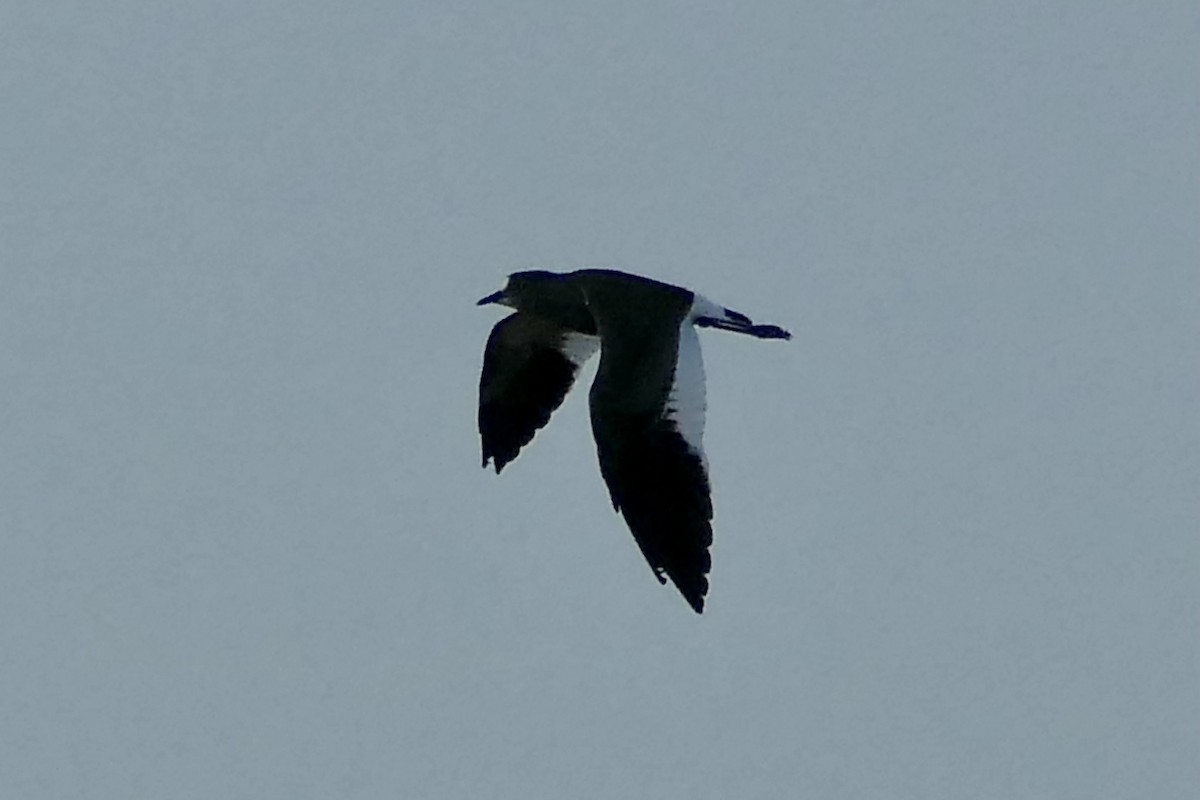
[703,307]
[579,347]
[686,403]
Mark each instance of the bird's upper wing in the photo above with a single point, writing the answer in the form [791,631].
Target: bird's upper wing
[648,441]
[529,365]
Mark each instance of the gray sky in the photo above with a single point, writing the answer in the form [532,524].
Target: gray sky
[247,548]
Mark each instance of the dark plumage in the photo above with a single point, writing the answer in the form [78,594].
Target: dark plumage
[647,401]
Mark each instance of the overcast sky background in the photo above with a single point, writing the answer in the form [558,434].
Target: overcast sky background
[247,550]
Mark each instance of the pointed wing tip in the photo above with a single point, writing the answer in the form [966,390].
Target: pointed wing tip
[693,597]
[696,599]
[771,332]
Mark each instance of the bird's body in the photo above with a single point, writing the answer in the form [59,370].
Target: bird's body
[647,400]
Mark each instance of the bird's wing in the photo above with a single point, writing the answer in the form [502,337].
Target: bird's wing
[529,365]
[652,460]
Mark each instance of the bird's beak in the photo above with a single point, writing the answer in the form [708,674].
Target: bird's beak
[494,297]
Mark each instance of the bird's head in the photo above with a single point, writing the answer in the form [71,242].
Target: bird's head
[522,290]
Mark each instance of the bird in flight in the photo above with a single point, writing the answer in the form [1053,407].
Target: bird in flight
[647,400]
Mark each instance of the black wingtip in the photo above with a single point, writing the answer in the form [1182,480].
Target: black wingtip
[693,593]
[739,326]
[770,332]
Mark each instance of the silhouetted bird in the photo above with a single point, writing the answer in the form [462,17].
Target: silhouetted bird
[647,401]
